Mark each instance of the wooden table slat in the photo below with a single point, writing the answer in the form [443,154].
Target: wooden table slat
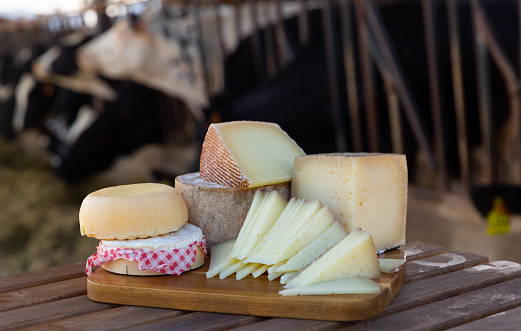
[452,284]
[200,321]
[441,264]
[43,293]
[453,311]
[122,317]
[283,324]
[49,312]
[40,277]
[506,320]
[419,250]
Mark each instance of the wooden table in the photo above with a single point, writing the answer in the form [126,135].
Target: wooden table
[442,290]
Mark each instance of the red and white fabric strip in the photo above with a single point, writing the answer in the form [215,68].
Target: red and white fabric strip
[173,262]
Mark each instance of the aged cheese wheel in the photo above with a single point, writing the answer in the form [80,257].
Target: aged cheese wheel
[219,210]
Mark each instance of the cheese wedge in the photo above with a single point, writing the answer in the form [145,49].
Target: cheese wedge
[354,285]
[248,269]
[367,191]
[314,249]
[391,265]
[291,232]
[265,210]
[353,256]
[247,154]
[220,258]
[286,277]
[262,269]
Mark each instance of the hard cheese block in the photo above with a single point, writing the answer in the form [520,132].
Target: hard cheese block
[247,154]
[363,190]
[219,210]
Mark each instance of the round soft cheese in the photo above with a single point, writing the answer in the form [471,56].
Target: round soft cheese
[219,210]
[132,211]
[183,237]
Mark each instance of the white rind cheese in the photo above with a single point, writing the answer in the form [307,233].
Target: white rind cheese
[367,191]
[355,285]
[353,256]
[177,239]
[247,154]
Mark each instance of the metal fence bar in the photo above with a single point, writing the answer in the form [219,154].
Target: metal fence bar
[269,47]
[350,74]
[286,55]
[430,45]
[303,22]
[484,98]
[511,152]
[367,78]
[327,22]
[255,40]
[393,105]
[459,99]
[410,109]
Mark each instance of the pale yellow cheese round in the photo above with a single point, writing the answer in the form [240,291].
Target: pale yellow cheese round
[219,210]
[132,211]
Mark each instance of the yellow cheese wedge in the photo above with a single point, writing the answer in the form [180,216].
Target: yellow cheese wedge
[286,277]
[248,269]
[354,285]
[238,265]
[391,265]
[262,269]
[287,230]
[259,220]
[220,258]
[247,154]
[367,191]
[314,249]
[353,256]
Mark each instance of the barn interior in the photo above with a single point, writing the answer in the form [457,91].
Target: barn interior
[119,92]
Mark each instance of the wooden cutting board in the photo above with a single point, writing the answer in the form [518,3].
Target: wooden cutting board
[248,296]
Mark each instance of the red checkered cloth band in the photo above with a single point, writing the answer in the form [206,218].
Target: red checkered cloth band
[172,262]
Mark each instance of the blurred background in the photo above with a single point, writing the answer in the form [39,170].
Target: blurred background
[96,93]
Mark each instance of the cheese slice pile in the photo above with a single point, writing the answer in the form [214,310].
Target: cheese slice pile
[247,154]
[278,237]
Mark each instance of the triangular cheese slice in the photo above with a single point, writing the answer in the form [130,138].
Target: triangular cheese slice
[354,285]
[353,256]
[248,154]
[220,257]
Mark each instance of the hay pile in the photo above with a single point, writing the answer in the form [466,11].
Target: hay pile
[39,214]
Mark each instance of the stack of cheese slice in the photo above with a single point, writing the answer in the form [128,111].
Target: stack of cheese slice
[277,235]
[353,258]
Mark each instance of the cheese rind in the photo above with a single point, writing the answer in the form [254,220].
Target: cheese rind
[353,256]
[247,154]
[355,285]
[367,191]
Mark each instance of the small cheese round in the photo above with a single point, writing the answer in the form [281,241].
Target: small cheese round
[132,211]
[183,237]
